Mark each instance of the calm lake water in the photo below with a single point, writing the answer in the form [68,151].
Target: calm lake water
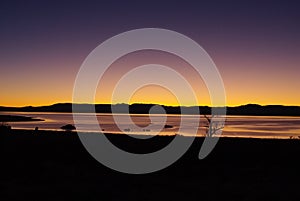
[235,126]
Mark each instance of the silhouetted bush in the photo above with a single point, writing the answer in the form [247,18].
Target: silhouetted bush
[68,127]
[4,127]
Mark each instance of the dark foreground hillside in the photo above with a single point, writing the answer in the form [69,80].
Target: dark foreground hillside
[55,166]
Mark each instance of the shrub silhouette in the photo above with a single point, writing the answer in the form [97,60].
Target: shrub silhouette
[4,127]
[68,127]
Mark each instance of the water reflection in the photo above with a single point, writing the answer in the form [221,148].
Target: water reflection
[235,126]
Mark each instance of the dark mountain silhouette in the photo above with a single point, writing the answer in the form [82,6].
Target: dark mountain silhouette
[250,109]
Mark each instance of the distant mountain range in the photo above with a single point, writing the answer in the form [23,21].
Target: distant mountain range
[250,109]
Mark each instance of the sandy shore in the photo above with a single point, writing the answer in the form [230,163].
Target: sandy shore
[51,165]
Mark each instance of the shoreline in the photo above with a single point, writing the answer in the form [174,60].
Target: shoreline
[17,118]
[62,132]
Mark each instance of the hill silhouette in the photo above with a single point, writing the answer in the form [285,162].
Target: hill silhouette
[250,109]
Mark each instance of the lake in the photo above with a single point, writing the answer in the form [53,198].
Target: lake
[235,126]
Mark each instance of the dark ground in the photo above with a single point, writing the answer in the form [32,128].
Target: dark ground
[46,165]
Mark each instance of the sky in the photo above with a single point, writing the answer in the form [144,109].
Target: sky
[254,44]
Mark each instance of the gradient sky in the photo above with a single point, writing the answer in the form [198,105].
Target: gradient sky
[255,45]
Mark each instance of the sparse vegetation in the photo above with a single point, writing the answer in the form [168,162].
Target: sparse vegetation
[5,127]
[68,127]
[213,126]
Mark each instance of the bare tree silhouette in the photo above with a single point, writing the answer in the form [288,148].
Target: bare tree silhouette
[213,126]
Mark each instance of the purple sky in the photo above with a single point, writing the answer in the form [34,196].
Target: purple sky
[255,44]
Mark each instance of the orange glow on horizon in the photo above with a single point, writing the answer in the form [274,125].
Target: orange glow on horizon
[265,87]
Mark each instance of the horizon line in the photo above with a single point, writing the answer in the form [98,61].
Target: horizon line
[138,103]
